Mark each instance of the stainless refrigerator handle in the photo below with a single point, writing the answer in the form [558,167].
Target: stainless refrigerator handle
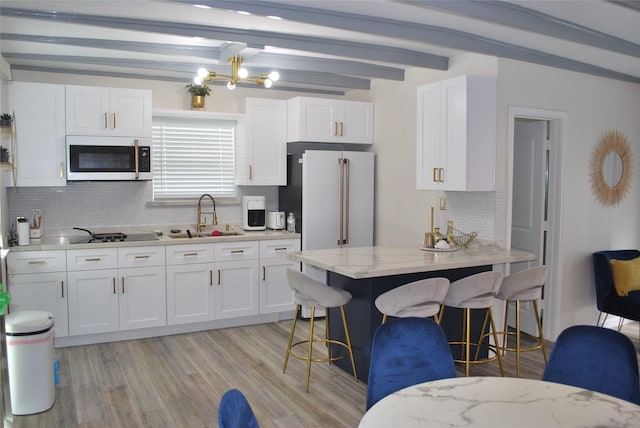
[341,238]
[347,201]
[136,154]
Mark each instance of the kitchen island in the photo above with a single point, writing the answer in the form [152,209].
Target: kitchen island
[368,272]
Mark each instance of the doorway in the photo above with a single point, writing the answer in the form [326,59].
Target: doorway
[536,142]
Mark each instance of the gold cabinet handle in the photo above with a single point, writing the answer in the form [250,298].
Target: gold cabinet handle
[335,129]
[250,172]
[237,251]
[123,285]
[441,175]
[62,288]
[264,273]
[435,175]
[219,274]
[281,249]
[95,259]
[106,120]
[210,277]
[114,120]
[190,254]
[61,170]
[37,262]
[114,285]
[342,129]
[142,257]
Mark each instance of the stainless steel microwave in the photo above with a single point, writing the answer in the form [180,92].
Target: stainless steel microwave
[108,158]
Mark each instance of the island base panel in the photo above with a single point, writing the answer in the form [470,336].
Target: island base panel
[363,318]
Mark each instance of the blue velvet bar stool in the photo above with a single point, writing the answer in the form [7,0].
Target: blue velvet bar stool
[475,292]
[311,293]
[523,286]
[417,299]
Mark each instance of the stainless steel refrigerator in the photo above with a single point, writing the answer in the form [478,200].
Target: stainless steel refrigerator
[331,193]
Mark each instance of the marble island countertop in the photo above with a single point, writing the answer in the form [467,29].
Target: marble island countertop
[377,261]
[61,239]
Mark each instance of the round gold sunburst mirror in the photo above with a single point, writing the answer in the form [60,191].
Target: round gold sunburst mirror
[611,168]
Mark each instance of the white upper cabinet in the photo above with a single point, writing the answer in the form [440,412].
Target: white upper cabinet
[108,111]
[40,129]
[261,152]
[456,135]
[321,120]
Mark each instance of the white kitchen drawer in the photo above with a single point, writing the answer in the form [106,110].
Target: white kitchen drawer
[36,261]
[140,256]
[278,248]
[189,253]
[238,250]
[92,258]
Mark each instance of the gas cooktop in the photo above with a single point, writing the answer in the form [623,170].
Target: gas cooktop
[113,237]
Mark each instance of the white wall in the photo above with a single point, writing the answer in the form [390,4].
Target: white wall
[593,105]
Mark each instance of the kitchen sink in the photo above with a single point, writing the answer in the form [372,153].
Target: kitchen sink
[203,235]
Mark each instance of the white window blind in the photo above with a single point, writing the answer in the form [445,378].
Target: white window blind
[192,156]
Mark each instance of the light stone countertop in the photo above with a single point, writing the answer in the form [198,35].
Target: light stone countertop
[377,261]
[495,402]
[59,239]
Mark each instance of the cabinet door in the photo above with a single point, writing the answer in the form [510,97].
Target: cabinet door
[40,133]
[143,298]
[356,122]
[429,166]
[262,156]
[190,296]
[453,154]
[88,110]
[42,292]
[312,120]
[93,301]
[275,293]
[236,289]
[130,111]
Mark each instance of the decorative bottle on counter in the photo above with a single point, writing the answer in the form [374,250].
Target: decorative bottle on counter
[437,236]
[291,223]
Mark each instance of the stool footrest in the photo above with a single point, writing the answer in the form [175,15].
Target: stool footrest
[329,358]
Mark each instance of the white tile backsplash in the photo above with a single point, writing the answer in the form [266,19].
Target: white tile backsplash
[481,212]
[116,203]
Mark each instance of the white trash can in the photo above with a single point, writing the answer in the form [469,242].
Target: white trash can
[30,361]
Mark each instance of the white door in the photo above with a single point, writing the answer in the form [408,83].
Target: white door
[530,192]
[190,296]
[359,199]
[93,301]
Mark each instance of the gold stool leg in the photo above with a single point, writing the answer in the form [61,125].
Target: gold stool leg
[310,349]
[495,338]
[478,344]
[384,318]
[293,329]
[346,333]
[544,350]
[505,327]
[467,323]
[517,338]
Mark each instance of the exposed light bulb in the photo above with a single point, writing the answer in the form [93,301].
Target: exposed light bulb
[267,83]
[197,80]
[274,76]
[231,86]
[203,72]
[243,73]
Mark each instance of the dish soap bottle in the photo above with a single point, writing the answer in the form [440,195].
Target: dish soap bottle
[291,223]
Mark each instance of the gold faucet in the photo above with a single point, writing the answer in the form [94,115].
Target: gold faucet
[201,224]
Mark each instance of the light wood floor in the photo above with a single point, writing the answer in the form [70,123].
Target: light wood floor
[177,381]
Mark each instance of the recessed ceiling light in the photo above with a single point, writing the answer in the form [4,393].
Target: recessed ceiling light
[202,6]
[243,12]
[279,18]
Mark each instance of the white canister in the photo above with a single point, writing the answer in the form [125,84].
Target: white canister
[23,229]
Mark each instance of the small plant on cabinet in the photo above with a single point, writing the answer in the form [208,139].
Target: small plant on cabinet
[6,119]
[4,154]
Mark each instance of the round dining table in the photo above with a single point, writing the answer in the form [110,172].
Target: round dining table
[499,402]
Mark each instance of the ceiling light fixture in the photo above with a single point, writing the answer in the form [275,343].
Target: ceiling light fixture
[238,74]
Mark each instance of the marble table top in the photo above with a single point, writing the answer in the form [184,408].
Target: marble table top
[372,262]
[499,402]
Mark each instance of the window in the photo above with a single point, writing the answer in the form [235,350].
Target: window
[192,156]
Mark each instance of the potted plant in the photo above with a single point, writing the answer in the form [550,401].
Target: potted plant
[4,154]
[6,119]
[198,92]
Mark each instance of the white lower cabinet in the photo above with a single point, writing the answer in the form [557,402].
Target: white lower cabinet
[275,293]
[116,298]
[236,288]
[37,281]
[190,296]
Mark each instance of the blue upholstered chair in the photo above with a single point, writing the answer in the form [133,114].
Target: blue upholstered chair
[607,298]
[597,359]
[234,411]
[405,352]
